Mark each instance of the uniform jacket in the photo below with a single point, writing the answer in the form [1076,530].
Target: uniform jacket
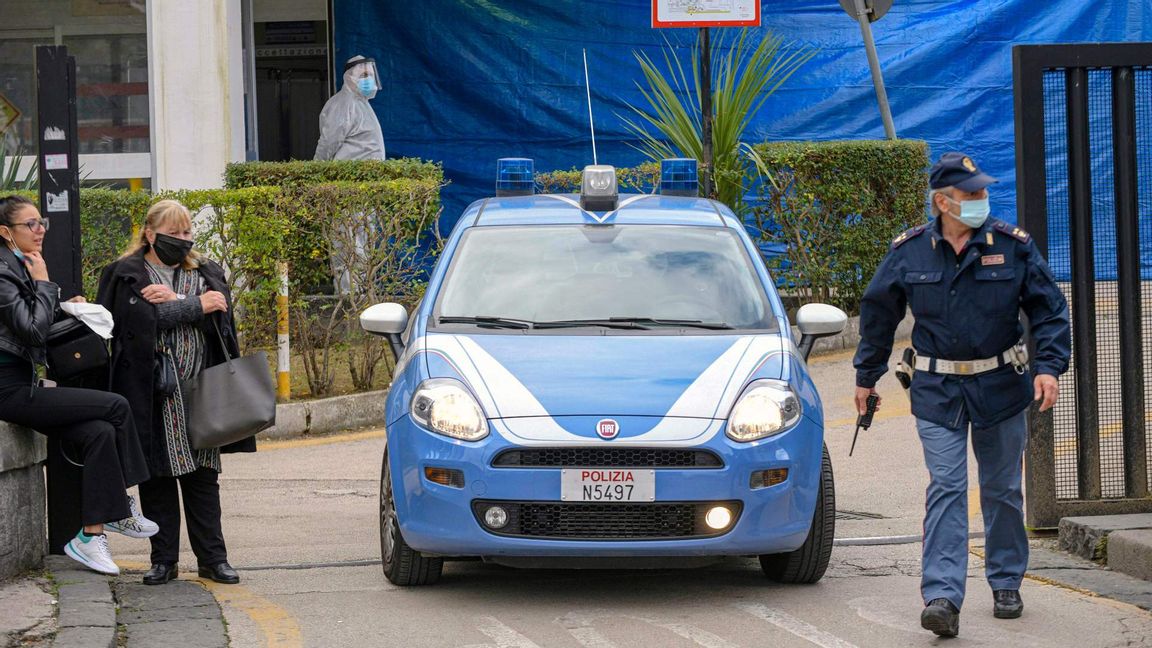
[134,344]
[966,307]
[27,309]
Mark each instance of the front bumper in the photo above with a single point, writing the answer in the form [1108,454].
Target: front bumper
[440,520]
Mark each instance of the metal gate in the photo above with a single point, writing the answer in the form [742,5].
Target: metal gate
[1084,173]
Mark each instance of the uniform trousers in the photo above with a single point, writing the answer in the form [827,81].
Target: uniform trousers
[999,451]
[160,500]
[98,432]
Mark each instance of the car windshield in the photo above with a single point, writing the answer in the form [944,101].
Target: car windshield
[614,277]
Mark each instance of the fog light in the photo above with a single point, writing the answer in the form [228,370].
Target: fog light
[766,478]
[444,476]
[718,518]
[495,517]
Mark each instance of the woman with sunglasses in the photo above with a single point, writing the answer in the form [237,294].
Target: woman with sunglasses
[96,425]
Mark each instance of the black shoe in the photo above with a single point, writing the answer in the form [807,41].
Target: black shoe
[221,573]
[161,573]
[941,617]
[1008,604]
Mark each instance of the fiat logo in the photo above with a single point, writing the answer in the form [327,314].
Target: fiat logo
[607,429]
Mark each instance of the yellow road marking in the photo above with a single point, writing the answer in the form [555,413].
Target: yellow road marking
[279,628]
[285,444]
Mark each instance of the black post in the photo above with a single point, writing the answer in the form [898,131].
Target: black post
[58,165]
[1128,285]
[60,203]
[706,110]
[1083,284]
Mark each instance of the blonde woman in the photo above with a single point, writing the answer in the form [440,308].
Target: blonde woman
[167,301]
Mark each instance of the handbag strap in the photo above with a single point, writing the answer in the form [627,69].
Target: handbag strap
[223,346]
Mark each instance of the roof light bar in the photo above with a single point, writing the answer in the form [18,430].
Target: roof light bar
[598,191]
[515,177]
[678,177]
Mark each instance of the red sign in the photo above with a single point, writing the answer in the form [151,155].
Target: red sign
[705,13]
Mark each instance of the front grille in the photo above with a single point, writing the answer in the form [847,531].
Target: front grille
[607,457]
[599,521]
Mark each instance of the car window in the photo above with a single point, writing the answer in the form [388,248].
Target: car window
[555,273]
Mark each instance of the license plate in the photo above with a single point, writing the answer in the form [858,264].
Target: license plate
[607,485]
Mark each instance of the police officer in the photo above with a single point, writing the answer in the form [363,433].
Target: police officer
[966,278]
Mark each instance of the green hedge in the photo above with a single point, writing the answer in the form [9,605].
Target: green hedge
[239,175]
[837,206]
[644,178]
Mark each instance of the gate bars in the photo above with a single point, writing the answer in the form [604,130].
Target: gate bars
[1030,65]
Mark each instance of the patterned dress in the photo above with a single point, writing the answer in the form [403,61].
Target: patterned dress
[184,345]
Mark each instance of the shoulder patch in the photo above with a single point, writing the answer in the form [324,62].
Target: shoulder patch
[1011,230]
[908,235]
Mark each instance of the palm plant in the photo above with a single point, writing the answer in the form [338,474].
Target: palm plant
[11,154]
[743,78]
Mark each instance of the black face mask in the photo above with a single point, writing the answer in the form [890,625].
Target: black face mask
[171,250]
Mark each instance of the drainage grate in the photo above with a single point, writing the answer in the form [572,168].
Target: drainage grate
[858,515]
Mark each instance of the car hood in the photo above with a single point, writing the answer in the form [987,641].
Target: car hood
[672,376]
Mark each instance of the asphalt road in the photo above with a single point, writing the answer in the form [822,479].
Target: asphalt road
[301,525]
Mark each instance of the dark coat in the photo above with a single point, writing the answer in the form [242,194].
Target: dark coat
[967,307]
[134,345]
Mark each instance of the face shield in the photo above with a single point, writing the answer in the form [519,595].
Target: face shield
[360,73]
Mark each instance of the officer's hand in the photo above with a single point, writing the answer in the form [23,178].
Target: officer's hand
[862,394]
[1047,391]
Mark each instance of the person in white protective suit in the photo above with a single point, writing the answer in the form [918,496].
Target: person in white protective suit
[349,129]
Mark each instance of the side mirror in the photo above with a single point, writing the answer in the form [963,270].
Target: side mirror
[816,321]
[388,320]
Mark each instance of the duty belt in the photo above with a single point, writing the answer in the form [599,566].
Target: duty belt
[1017,356]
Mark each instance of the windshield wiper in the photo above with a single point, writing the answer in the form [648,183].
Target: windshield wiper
[580,323]
[717,326]
[487,321]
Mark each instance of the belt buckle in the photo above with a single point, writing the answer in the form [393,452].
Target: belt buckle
[962,368]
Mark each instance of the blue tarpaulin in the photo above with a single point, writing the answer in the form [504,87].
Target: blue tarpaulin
[468,81]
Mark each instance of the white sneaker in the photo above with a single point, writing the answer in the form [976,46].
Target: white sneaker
[92,552]
[136,526]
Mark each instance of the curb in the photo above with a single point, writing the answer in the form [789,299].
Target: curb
[87,609]
[327,415]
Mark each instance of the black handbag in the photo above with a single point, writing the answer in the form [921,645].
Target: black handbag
[231,401]
[164,379]
[74,349]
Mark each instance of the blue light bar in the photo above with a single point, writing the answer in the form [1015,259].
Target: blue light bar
[515,177]
[678,177]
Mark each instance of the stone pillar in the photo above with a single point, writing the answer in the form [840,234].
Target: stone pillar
[195,91]
[22,536]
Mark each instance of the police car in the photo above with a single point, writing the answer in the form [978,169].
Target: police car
[598,375]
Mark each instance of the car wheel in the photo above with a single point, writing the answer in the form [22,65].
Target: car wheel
[808,563]
[403,565]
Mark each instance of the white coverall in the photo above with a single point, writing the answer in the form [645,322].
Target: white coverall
[349,129]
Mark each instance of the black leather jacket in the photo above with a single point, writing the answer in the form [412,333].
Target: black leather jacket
[27,309]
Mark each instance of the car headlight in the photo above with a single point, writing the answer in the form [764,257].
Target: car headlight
[446,407]
[765,408]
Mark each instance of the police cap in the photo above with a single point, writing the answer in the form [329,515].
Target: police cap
[958,170]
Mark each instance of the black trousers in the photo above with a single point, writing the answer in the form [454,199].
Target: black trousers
[160,500]
[97,430]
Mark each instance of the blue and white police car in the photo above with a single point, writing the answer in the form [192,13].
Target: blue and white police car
[598,375]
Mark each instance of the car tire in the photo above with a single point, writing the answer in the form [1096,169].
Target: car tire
[403,565]
[808,563]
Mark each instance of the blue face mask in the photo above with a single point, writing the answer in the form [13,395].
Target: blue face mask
[367,86]
[973,213]
[18,253]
